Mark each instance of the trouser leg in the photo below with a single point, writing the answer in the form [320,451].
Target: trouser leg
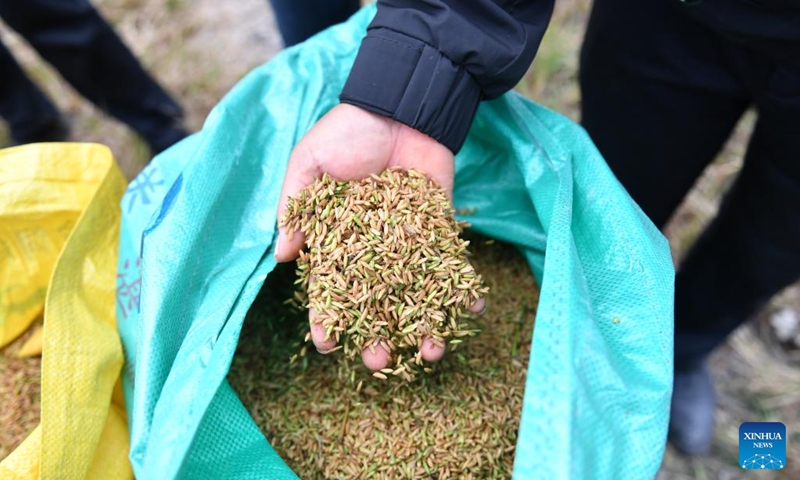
[300,19]
[83,47]
[656,99]
[661,96]
[751,251]
[22,104]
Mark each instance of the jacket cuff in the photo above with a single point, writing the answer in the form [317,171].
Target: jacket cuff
[402,78]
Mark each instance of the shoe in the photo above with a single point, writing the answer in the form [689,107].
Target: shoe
[691,422]
[52,129]
[166,138]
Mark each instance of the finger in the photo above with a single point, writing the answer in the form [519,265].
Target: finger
[301,172]
[322,344]
[430,351]
[478,307]
[376,358]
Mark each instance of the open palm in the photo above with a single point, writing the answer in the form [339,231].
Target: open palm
[350,143]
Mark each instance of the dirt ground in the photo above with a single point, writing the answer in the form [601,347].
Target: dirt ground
[200,49]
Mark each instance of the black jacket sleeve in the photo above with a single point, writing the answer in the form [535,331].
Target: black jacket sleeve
[428,63]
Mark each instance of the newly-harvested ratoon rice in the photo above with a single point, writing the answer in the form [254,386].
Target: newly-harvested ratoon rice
[459,422]
[385,266]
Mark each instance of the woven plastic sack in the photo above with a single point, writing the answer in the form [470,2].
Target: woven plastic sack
[59,230]
[41,197]
[598,386]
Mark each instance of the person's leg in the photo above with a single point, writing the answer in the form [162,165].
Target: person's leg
[75,39]
[751,251]
[30,115]
[300,19]
[659,100]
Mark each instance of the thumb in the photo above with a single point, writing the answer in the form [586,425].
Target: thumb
[300,173]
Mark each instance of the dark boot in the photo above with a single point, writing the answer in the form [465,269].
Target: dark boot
[51,129]
[691,422]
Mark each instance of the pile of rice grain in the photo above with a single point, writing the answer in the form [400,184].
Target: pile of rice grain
[459,422]
[385,265]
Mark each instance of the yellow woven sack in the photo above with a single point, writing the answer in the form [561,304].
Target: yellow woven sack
[59,228]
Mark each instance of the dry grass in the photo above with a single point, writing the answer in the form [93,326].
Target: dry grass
[460,421]
[20,394]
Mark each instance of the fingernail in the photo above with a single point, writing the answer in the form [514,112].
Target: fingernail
[324,352]
[483,310]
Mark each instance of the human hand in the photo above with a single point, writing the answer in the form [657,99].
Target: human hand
[350,143]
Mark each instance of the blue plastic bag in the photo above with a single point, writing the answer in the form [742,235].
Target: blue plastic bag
[200,224]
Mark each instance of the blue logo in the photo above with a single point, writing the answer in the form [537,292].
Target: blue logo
[762,445]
